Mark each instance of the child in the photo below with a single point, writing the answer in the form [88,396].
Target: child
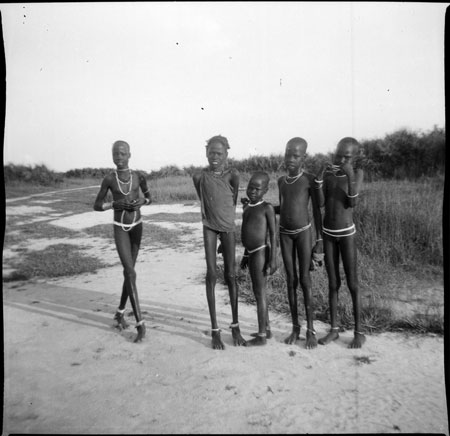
[258,219]
[217,189]
[124,185]
[295,190]
[341,185]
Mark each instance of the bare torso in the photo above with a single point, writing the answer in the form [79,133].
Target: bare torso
[122,191]
[294,198]
[254,226]
[338,215]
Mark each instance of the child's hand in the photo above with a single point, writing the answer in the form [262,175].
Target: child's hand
[244,262]
[318,247]
[347,169]
[121,204]
[317,256]
[245,201]
[273,267]
[136,204]
[322,170]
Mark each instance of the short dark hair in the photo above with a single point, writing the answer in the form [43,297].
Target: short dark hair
[120,142]
[262,175]
[218,138]
[349,140]
[297,141]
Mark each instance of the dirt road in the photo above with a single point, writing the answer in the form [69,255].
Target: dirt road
[68,371]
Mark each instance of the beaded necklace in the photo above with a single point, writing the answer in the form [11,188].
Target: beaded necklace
[256,204]
[119,182]
[295,178]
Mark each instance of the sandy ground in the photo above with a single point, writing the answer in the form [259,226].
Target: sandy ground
[67,370]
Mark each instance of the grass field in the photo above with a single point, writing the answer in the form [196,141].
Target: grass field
[399,243]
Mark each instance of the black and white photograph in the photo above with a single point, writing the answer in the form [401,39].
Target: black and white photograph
[224,217]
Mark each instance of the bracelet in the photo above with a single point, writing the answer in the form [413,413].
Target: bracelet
[317,240]
[106,206]
[318,181]
[352,196]
[147,200]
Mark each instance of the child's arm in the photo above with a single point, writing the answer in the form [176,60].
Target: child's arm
[354,179]
[99,204]
[317,216]
[271,223]
[144,188]
[277,207]
[318,185]
[196,179]
[235,184]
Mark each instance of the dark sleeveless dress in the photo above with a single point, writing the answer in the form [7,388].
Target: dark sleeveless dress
[218,210]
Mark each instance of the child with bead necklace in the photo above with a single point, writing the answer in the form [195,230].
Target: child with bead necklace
[258,220]
[124,185]
[338,185]
[295,191]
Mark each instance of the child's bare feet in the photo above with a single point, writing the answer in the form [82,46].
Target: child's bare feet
[294,335]
[120,322]
[358,340]
[236,333]
[268,334]
[330,337]
[216,341]
[311,340]
[260,339]
[141,331]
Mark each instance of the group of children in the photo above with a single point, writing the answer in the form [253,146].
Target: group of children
[335,189]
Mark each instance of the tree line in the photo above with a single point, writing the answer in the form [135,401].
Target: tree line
[403,154]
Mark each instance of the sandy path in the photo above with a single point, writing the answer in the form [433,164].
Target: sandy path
[68,371]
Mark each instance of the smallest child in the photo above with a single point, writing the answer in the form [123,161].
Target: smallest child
[258,220]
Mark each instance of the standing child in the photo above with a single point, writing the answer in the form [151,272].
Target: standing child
[258,219]
[124,185]
[338,186]
[295,190]
[217,189]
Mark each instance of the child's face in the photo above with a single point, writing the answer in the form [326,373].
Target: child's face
[344,154]
[121,156]
[294,158]
[256,189]
[217,155]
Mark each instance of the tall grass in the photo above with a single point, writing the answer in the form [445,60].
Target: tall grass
[400,222]
[172,188]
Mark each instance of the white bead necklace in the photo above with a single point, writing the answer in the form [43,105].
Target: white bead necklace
[119,182]
[256,204]
[295,178]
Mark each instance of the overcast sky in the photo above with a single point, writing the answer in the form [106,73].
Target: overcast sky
[167,76]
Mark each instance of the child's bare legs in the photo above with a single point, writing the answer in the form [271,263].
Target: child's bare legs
[348,253]
[120,314]
[289,260]
[331,258]
[303,243]
[256,263]
[210,242]
[266,265]
[229,260]
[124,243]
